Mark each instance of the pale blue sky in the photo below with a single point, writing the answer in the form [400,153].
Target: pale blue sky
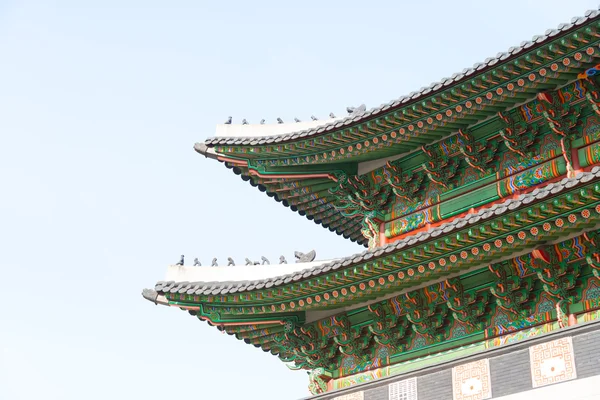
[100,105]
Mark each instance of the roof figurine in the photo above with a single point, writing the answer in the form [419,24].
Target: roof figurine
[262,121]
[279,120]
[282,260]
[230,262]
[244,122]
[265,260]
[356,110]
[228,121]
[180,262]
[331,115]
[296,120]
[197,262]
[214,262]
[305,257]
[312,117]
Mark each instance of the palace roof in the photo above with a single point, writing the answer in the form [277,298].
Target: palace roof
[299,164]
[478,69]
[479,198]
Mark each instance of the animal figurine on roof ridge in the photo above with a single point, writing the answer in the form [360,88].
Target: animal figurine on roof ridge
[305,257]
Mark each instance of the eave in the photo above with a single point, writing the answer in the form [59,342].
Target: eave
[517,225]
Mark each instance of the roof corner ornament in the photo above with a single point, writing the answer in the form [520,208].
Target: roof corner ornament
[197,262]
[356,110]
[180,260]
[282,260]
[305,257]
[150,295]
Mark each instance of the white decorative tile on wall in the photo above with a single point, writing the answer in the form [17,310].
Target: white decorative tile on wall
[552,362]
[403,390]
[472,381]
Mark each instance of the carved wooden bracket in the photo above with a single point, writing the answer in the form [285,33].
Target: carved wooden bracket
[562,118]
[387,328]
[519,136]
[477,154]
[351,340]
[439,167]
[428,319]
[513,293]
[471,309]
[405,185]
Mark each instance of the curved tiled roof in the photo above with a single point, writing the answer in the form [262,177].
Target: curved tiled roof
[412,97]
[215,288]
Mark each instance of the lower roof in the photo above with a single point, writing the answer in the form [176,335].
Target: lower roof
[200,287]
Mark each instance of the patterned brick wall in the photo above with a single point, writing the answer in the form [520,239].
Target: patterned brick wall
[511,380]
[436,386]
[587,354]
[543,364]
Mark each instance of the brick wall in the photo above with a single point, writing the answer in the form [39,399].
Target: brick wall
[510,373]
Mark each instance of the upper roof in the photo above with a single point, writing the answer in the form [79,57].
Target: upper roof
[299,167]
[290,132]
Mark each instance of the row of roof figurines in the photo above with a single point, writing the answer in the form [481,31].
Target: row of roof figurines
[300,258]
[351,111]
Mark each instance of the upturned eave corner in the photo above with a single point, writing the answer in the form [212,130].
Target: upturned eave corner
[154,297]
[203,149]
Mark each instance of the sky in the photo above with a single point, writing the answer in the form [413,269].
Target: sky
[101,103]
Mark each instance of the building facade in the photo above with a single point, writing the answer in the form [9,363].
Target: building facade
[478,201]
